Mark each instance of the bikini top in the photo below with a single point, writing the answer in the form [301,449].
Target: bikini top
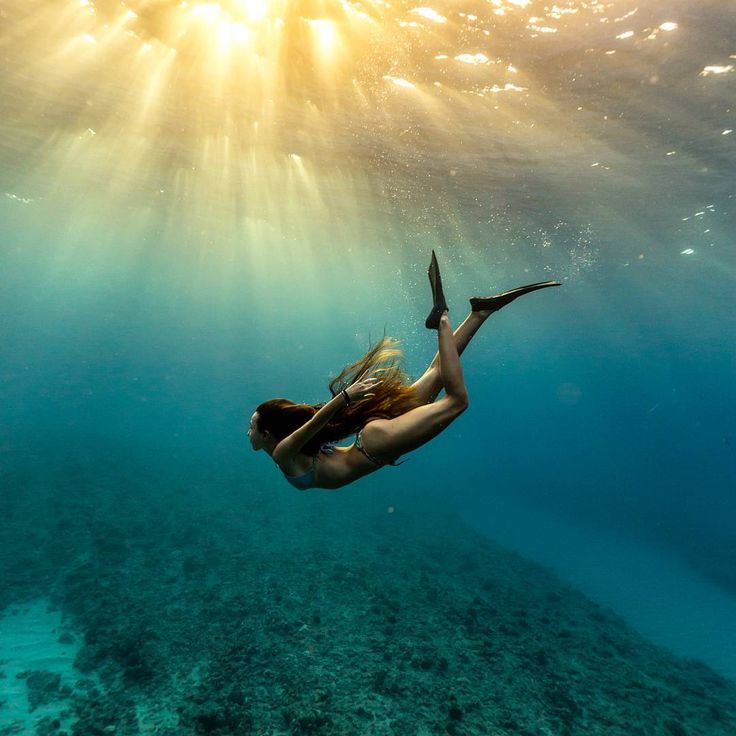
[302,482]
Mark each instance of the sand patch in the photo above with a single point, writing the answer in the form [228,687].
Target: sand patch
[37,653]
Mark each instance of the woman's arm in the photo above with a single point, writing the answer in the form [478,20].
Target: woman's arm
[290,446]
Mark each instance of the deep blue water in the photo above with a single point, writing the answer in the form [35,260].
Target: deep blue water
[164,269]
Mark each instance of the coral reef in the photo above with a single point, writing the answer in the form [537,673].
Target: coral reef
[207,604]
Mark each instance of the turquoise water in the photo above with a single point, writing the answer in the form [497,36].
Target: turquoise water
[186,233]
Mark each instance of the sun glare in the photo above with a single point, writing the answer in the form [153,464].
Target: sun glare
[255,10]
[250,103]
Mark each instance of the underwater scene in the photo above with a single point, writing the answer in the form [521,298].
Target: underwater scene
[516,519]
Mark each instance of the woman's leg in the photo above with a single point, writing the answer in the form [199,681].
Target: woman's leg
[430,384]
[388,439]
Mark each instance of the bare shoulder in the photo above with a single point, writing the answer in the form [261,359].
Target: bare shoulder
[293,464]
[286,455]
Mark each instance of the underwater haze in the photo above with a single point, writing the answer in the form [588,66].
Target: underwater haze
[204,205]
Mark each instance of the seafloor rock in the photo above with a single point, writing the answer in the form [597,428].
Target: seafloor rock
[235,609]
[43,687]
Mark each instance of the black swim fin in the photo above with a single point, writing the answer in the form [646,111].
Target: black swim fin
[440,305]
[494,303]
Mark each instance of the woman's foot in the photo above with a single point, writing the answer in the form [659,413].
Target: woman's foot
[440,305]
[486,305]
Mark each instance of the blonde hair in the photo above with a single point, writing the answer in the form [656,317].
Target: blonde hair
[392,397]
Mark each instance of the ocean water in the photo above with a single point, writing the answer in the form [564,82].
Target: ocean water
[205,205]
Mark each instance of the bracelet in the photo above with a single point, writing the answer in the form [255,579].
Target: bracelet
[345,396]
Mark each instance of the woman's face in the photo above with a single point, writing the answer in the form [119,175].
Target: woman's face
[257,440]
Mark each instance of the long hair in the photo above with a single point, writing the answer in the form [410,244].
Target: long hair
[392,397]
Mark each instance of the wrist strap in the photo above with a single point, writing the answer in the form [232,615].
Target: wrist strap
[345,396]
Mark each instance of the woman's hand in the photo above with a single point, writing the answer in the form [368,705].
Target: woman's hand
[363,388]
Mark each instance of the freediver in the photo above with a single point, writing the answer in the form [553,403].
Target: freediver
[373,399]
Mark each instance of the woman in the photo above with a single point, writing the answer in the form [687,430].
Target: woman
[373,398]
